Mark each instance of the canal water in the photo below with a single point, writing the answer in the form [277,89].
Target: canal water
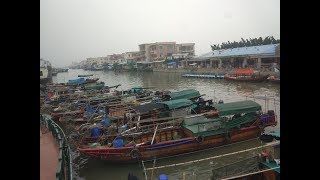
[266,94]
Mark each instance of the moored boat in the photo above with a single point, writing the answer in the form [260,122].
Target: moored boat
[246,75]
[236,123]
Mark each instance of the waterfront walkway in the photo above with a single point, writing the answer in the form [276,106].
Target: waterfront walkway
[49,152]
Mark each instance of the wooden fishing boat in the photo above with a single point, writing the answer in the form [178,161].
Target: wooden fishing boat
[268,166]
[151,113]
[80,81]
[191,94]
[273,79]
[244,124]
[245,75]
[85,75]
[89,80]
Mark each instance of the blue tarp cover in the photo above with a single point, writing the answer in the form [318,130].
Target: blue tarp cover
[118,143]
[95,132]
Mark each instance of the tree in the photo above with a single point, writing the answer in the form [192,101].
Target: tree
[260,41]
[246,42]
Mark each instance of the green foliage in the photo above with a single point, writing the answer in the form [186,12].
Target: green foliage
[246,43]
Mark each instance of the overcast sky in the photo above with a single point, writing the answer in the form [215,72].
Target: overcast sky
[73,30]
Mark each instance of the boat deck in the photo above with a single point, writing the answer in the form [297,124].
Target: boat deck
[49,152]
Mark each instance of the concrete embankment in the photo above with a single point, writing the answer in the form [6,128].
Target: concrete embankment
[208,71]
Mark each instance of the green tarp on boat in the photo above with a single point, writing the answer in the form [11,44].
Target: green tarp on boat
[214,126]
[96,86]
[237,107]
[175,104]
[185,94]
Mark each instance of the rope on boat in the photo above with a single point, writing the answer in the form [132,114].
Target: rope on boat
[205,149]
[247,174]
[214,157]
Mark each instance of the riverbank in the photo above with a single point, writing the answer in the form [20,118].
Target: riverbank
[209,71]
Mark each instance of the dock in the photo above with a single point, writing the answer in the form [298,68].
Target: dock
[204,76]
[55,157]
[49,152]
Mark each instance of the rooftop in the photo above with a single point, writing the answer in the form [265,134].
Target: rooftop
[241,51]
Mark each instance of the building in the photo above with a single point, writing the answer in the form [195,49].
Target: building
[45,71]
[116,58]
[161,50]
[136,56]
[186,48]
[259,57]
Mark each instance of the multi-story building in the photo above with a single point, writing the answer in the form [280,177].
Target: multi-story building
[116,58]
[161,50]
[186,48]
[134,56]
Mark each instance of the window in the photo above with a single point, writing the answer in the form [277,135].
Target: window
[41,74]
[160,47]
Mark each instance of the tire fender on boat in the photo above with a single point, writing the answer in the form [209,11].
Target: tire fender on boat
[261,124]
[227,137]
[199,139]
[135,153]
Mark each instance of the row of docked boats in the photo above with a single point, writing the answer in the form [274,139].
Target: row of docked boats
[141,124]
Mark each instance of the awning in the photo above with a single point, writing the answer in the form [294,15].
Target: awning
[184,94]
[176,104]
[237,107]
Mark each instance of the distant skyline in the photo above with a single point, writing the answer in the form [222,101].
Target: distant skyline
[73,30]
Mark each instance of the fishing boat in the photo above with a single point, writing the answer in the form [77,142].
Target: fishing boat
[191,94]
[97,67]
[85,75]
[274,79]
[237,121]
[80,81]
[246,75]
[265,165]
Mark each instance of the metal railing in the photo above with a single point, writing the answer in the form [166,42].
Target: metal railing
[64,169]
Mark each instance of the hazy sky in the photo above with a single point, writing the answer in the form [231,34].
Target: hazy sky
[73,30]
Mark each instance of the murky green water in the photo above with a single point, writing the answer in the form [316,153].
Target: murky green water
[91,169]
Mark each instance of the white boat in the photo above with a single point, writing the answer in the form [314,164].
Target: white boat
[97,67]
[45,71]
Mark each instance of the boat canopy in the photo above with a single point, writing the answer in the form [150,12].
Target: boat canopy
[237,107]
[178,103]
[275,134]
[76,81]
[171,63]
[185,94]
[136,89]
[244,71]
[214,126]
[147,107]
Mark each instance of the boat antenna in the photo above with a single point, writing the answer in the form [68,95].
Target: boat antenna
[154,134]
[275,108]
[265,103]
[154,162]
[144,170]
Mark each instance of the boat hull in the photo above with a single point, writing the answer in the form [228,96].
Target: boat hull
[249,79]
[170,148]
